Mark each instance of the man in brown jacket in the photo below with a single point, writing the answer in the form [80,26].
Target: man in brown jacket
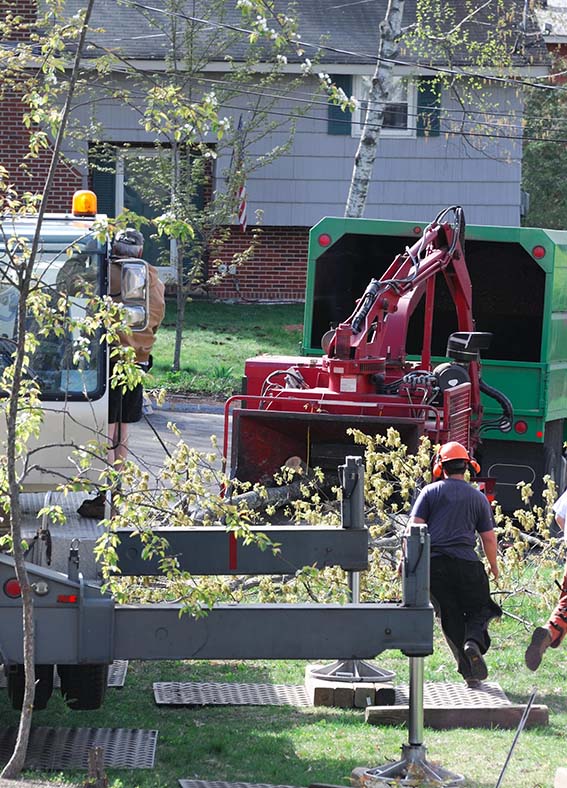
[125,408]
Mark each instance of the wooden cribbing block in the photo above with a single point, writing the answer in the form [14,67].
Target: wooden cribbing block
[344,695]
[379,694]
[473,716]
[321,693]
[385,694]
[347,695]
[365,696]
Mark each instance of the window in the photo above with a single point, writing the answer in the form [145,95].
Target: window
[60,371]
[415,109]
[123,177]
[400,113]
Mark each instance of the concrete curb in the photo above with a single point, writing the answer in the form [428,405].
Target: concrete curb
[186,406]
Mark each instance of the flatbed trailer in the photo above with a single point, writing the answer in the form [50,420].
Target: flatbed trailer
[81,630]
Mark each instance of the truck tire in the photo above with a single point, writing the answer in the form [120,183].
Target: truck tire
[83,686]
[554,466]
[43,687]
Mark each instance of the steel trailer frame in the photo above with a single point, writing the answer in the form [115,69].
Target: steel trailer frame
[78,624]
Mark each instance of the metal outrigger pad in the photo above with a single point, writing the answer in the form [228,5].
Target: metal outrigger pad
[412,769]
[352,670]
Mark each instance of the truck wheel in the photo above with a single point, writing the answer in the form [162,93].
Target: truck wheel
[554,465]
[83,686]
[43,686]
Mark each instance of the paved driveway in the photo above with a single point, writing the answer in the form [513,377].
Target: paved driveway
[196,429]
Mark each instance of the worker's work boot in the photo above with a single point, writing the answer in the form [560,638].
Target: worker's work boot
[477,663]
[540,642]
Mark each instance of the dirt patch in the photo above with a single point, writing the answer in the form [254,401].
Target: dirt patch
[294,327]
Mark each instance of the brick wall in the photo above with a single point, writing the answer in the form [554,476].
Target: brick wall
[277,272]
[30,174]
[24,10]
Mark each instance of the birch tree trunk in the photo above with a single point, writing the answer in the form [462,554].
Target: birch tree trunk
[390,31]
[18,757]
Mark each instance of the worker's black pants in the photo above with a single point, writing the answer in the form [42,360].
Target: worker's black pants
[460,593]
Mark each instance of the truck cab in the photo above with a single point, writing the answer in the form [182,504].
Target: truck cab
[72,265]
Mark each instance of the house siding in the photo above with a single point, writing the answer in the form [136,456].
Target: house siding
[414,177]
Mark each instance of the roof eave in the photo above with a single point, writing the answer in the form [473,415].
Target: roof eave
[350,68]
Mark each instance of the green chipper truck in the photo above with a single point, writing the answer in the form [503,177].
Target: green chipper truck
[519,295]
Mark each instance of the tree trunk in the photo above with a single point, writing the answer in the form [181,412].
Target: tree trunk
[390,30]
[179,320]
[177,262]
[97,776]
[17,760]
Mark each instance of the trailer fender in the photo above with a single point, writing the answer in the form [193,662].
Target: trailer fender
[75,620]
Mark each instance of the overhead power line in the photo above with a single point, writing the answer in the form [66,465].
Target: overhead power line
[322,118]
[474,118]
[336,50]
[296,97]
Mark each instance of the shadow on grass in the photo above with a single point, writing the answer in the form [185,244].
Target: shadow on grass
[255,744]
[555,702]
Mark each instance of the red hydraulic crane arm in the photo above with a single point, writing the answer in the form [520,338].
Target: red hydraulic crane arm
[378,326]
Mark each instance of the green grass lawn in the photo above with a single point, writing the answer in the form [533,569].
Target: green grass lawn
[218,338]
[301,746]
[292,746]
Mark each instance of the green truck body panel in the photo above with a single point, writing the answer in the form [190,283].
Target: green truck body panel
[519,293]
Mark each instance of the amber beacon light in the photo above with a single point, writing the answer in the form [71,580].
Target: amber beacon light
[84,203]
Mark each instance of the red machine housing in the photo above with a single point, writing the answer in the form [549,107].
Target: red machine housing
[297,406]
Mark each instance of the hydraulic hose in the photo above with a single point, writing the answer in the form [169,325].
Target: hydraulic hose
[458,224]
[368,298]
[504,423]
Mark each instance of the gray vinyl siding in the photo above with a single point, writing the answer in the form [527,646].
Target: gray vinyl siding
[414,178]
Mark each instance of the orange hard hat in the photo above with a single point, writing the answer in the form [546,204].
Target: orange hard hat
[453,450]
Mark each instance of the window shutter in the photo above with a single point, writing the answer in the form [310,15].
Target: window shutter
[339,122]
[428,107]
[104,186]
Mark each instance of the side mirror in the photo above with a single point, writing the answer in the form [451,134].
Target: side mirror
[134,289]
[136,317]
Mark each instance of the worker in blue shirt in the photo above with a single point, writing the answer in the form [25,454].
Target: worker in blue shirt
[455,512]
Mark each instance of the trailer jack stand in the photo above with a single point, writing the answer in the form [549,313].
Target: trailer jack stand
[353,670]
[413,768]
